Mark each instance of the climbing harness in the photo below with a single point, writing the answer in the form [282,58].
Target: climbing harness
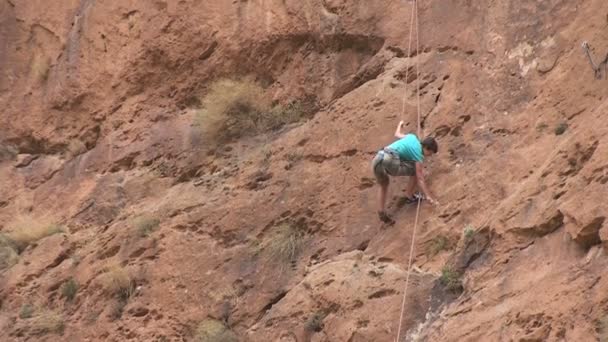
[599,68]
[413,17]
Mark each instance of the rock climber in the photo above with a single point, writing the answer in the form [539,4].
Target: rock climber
[403,157]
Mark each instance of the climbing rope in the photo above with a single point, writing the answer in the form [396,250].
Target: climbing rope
[414,17]
[407,70]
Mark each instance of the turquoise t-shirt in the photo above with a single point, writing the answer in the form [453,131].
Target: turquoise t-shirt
[408,148]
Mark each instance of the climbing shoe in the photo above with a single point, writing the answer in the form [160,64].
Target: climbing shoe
[410,200]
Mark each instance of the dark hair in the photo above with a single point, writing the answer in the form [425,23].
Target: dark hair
[430,144]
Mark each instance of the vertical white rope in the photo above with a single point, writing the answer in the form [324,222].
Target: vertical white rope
[407,70]
[418,130]
[409,270]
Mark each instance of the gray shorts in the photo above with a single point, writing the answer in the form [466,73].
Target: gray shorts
[387,163]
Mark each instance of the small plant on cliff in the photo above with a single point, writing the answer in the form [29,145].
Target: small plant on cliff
[561,128]
[116,280]
[211,330]
[438,244]
[47,321]
[232,108]
[602,328]
[314,323]
[7,152]
[76,147]
[292,158]
[235,108]
[69,289]
[28,230]
[146,225]
[40,68]
[284,114]
[286,242]
[450,279]
[468,233]
[8,252]
[27,311]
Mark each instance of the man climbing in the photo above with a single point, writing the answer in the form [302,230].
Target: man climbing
[403,157]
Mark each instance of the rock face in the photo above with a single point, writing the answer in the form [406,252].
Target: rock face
[99,134]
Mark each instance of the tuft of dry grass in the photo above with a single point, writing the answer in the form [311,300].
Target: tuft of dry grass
[285,114]
[235,108]
[28,230]
[47,321]
[75,148]
[40,68]
[116,280]
[211,330]
[602,328]
[145,225]
[232,108]
[284,244]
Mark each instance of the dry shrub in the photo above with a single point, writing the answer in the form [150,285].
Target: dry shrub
[116,280]
[602,328]
[47,321]
[145,225]
[235,108]
[211,330]
[284,244]
[75,148]
[285,114]
[40,68]
[232,108]
[7,152]
[28,230]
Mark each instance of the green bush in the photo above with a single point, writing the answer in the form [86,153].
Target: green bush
[450,279]
[7,152]
[27,311]
[438,244]
[8,252]
[315,322]
[561,128]
[468,233]
[69,289]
